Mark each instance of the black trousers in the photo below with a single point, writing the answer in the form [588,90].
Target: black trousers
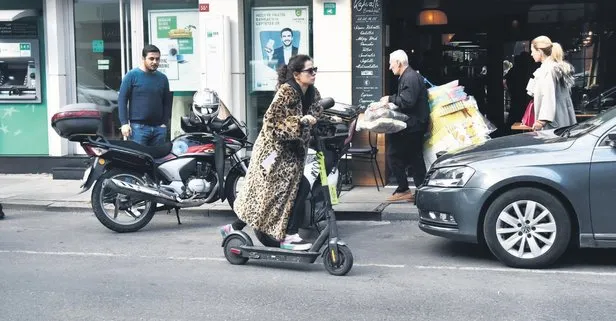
[298,213]
[405,149]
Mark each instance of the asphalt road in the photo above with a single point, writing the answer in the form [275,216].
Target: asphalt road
[67,266]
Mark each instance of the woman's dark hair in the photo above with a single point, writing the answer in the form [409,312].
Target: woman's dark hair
[296,64]
[149,48]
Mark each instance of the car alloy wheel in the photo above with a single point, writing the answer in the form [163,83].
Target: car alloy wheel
[526,229]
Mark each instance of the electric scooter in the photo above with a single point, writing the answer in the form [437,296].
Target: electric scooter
[337,257]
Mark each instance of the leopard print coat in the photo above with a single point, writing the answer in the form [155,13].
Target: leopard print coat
[266,199]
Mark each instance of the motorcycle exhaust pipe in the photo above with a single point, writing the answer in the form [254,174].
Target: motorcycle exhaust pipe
[141,192]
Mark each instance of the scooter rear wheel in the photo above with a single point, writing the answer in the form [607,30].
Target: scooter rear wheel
[345,258]
[233,243]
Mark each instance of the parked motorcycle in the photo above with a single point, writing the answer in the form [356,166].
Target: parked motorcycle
[129,179]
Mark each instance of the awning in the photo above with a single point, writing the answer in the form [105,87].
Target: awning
[12,15]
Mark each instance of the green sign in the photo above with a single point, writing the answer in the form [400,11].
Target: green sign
[24,46]
[98,46]
[164,25]
[329,8]
[186,46]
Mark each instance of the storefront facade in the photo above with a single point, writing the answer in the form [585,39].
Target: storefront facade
[232,46]
[87,46]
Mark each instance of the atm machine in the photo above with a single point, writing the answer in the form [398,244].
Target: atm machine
[20,79]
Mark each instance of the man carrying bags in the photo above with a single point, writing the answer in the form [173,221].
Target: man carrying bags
[405,148]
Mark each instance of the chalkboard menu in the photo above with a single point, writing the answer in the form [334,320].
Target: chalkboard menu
[18,30]
[367,47]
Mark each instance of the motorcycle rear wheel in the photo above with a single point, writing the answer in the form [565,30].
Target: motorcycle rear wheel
[235,176]
[122,204]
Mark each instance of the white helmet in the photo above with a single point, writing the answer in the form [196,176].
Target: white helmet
[205,103]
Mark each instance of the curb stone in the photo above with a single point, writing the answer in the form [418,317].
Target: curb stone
[380,213]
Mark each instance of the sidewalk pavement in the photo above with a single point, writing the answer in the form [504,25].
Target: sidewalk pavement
[41,192]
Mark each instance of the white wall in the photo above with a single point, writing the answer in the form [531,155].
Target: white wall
[60,71]
[331,40]
[234,9]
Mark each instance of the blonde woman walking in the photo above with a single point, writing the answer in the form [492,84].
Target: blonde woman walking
[551,88]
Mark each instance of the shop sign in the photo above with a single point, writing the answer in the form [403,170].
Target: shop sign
[366,51]
[98,46]
[15,50]
[174,32]
[274,44]
[329,8]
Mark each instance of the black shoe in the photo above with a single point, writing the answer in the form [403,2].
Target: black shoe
[1,212]
[400,190]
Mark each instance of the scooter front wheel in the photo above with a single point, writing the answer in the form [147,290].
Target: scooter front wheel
[232,250]
[340,265]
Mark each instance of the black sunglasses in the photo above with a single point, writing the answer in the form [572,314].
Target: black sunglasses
[312,70]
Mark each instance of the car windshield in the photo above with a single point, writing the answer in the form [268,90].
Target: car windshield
[588,125]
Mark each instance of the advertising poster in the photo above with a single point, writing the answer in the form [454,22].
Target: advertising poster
[175,33]
[277,34]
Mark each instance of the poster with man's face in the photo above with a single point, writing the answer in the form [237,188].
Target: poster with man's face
[278,33]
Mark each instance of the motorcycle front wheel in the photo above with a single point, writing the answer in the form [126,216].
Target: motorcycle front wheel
[119,212]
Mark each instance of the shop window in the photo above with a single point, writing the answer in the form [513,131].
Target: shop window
[172,26]
[98,58]
[270,27]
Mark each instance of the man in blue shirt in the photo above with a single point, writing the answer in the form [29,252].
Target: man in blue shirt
[147,91]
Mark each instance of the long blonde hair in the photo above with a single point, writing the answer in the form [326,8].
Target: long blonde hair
[566,69]
[557,52]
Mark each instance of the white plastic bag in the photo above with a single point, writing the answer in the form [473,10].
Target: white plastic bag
[385,113]
[381,125]
[379,110]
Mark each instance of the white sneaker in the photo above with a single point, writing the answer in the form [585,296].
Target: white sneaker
[226,230]
[295,243]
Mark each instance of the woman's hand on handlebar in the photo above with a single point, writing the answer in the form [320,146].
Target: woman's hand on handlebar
[308,120]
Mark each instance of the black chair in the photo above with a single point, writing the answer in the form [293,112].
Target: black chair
[368,153]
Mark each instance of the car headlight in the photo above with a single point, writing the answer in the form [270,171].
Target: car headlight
[451,176]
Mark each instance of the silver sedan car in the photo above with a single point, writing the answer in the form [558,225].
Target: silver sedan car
[528,197]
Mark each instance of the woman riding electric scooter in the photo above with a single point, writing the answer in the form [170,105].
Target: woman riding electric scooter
[266,201]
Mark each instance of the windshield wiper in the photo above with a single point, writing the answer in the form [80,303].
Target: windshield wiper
[567,131]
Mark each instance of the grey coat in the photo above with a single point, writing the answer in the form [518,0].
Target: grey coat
[552,94]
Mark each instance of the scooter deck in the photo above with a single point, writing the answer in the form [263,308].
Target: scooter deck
[277,254]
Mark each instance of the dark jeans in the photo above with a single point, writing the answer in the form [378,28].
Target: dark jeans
[148,135]
[297,216]
[405,149]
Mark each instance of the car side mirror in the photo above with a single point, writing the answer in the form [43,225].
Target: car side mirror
[612,138]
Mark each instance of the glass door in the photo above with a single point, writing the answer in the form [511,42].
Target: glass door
[103,56]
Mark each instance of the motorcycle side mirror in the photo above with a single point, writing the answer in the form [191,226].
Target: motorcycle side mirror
[327,102]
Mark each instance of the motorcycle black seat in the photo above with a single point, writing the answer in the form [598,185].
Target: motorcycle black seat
[156,152]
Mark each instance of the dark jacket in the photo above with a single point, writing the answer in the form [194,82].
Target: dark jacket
[279,55]
[412,100]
